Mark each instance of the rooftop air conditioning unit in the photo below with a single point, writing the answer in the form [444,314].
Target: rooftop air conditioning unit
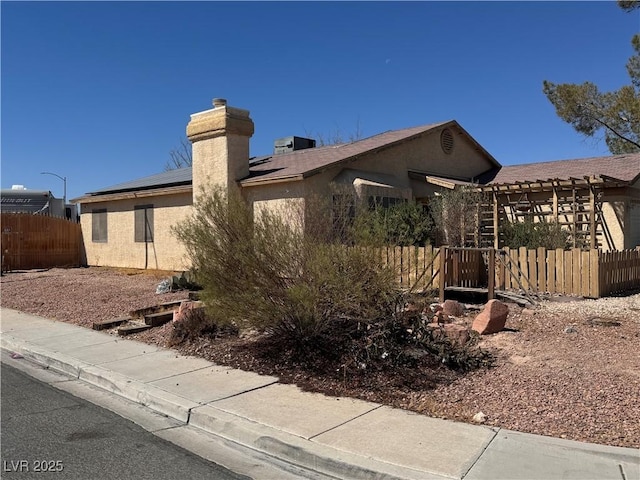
[289,144]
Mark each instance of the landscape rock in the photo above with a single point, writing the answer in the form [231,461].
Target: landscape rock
[163,287]
[492,319]
[441,317]
[435,307]
[570,329]
[181,313]
[479,417]
[457,334]
[452,308]
[528,311]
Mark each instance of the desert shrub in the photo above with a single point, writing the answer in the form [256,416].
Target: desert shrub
[405,223]
[532,234]
[267,273]
[407,337]
[464,357]
[195,325]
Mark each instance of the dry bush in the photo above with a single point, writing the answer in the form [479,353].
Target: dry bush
[270,273]
[195,325]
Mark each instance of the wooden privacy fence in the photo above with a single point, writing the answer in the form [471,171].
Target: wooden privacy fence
[588,273]
[619,271]
[39,241]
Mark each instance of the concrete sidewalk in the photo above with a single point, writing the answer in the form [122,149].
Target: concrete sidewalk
[342,437]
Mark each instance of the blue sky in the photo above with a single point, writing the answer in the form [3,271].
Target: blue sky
[100,92]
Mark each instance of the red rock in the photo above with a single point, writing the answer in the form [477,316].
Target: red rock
[180,314]
[452,308]
[436,307]
[492,319]
[441,317]
[457,333]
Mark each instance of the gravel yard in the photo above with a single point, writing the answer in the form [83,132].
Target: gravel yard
[563,369]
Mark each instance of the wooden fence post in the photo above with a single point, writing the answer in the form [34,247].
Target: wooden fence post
[492,274]
[443,261]
[594,282]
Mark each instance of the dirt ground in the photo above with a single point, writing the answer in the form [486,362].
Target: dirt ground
[559,370]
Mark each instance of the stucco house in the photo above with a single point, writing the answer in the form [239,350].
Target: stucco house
[129,224]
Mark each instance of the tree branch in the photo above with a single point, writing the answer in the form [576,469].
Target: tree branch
[608,127]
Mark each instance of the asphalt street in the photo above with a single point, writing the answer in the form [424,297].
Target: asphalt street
[48,433]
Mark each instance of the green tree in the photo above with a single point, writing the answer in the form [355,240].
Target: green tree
[590,111]
[405,223]
[532,234]
[456,214]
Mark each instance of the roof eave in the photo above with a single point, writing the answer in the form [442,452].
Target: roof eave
[107,197]
[257,181]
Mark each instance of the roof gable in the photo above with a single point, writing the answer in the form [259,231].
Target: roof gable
[304,163]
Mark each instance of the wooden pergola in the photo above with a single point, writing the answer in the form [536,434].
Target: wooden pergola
[574,203]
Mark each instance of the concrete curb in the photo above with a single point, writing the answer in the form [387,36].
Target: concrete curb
[264,439]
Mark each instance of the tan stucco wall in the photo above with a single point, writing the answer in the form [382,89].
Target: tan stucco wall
[613,213]
[220,138]
[633,230]
[620,211]
[220,161]
[121,249]
[287,199]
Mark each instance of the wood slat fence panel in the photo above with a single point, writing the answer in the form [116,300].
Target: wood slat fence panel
[413,265]
[619,271]
[589,273]
[39,241]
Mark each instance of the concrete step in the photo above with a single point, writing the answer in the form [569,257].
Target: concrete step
[133,328]
[157,319]
[114,322]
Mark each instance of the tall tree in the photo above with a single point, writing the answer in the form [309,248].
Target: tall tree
[590,111]
[180,156]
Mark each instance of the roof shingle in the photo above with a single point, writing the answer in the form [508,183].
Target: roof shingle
[624,167]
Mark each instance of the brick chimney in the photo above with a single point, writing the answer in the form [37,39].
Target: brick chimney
[220,138]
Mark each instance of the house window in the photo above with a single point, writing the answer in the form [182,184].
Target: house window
[343,214]
[99,225]
[143,223]
[384,202]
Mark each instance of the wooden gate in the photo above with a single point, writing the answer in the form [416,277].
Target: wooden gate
[39,241]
